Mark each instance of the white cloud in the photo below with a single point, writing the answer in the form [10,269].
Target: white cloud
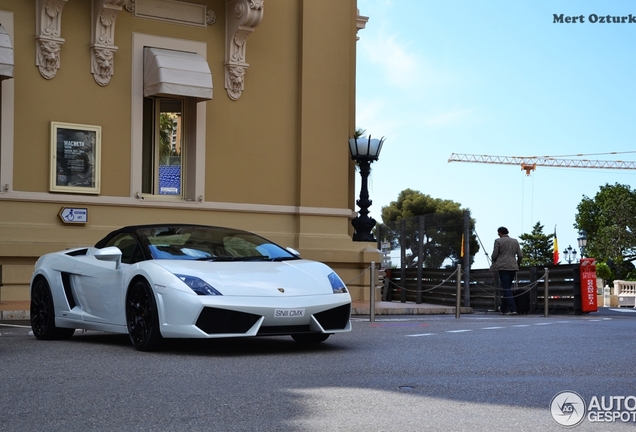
[399,66]
[394,61]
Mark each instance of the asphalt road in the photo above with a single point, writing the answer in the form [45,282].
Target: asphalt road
[482,372]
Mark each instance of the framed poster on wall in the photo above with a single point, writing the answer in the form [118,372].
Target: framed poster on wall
[75,158]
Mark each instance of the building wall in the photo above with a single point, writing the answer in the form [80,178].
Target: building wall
[276,160]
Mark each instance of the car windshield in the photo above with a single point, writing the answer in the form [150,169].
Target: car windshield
[210,244]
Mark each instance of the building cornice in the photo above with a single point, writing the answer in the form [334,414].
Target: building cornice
[43,197]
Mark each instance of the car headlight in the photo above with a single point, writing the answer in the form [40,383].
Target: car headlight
[337,284]
[198,285]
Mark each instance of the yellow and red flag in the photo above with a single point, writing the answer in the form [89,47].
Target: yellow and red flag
[555,253]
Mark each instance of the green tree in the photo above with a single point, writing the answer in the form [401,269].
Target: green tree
[166,128]
[609,219]
[604,272]
[537,247]
[443,228]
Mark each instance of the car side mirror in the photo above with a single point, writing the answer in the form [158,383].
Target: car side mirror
[111,253]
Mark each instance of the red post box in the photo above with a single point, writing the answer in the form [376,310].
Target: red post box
[588,285]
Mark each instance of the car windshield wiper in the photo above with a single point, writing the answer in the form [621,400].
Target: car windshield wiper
[255,258]
[285,258]
[220,258]
[247,258]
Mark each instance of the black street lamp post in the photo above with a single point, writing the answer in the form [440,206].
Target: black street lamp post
[570,254]
[364,151]
[582,242]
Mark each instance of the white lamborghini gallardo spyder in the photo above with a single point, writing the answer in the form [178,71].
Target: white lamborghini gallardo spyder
[186,281]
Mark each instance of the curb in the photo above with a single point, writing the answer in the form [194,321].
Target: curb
[411,311]
[14,315]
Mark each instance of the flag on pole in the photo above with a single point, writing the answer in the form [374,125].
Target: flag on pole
[555,253]
[461,252]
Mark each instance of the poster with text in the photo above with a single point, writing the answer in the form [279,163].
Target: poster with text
[75,158]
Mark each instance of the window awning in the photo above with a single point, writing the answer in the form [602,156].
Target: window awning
[6,55]
[176,73]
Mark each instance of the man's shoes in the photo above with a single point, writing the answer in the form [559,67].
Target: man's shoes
[511,313]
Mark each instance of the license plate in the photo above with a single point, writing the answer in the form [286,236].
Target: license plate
[289,313]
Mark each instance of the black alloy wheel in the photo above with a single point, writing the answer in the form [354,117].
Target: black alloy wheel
[142,317]
[43,313]
[310,338]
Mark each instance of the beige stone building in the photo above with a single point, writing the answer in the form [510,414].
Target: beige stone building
[219,112]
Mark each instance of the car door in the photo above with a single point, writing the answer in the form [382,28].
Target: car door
[99,284]
[99,290]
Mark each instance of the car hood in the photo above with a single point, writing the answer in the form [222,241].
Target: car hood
[265,279]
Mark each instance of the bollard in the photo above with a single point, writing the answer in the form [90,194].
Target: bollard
[606,296]
[545,292]
[459,290]
[374,277]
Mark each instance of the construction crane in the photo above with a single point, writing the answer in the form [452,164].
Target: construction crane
[530,163]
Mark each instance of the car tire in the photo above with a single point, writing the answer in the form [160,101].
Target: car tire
[142,317]
[310,338]
[42,311]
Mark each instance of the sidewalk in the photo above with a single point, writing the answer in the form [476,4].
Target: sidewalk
[408,308]
[19,310]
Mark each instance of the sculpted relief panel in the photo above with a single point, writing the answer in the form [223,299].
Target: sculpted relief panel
[48,40]
[103,49]
[242,17]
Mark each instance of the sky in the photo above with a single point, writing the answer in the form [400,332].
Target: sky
[497,78]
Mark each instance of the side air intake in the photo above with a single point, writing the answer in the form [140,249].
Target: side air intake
[219,321]
[334,319]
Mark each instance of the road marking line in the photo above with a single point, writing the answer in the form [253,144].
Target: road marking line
[501,327]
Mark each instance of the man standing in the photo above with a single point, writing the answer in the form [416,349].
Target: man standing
[506,257]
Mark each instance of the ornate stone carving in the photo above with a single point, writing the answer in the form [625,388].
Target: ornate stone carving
[129,5]
[48,43]
[103,49]
[48,61]
[102,65]
[234,82]
[242,17]
[210,16]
